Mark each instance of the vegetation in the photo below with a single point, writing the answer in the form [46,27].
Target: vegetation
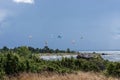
[24,59]
[53,76]
[46,49]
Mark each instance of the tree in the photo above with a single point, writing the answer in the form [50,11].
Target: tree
[5,48]
[23,51]
[57,51]
[31,49]
[46,49]
[68,50]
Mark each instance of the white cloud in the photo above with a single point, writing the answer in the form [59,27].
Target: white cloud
[24,1]
[3,15]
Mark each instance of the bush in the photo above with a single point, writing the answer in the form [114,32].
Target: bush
[113,69]
[22,60]
[12,63]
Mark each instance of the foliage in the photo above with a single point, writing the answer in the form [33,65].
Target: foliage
[24,59]
[45,49]
[113,69]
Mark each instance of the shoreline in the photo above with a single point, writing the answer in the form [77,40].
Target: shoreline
[115,57]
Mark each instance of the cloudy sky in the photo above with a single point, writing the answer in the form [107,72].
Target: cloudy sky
[82,24]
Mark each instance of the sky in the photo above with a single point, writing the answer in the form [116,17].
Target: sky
[81,24]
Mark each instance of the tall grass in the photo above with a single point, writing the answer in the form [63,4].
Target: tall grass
[54,76]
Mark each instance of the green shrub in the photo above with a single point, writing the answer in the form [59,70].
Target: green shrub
[22,60]
[12,63]
[113,69]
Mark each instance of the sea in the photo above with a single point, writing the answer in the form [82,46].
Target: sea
[111,55]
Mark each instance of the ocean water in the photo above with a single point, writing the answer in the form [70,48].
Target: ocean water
[111,55]
[56,57]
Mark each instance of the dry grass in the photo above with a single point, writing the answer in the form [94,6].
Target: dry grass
[53,76]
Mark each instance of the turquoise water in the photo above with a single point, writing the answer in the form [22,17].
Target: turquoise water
[112,55]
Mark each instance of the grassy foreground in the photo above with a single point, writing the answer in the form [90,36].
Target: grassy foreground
[53,76]
[20,60]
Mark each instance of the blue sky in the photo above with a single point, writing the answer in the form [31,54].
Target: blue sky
[32,22]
